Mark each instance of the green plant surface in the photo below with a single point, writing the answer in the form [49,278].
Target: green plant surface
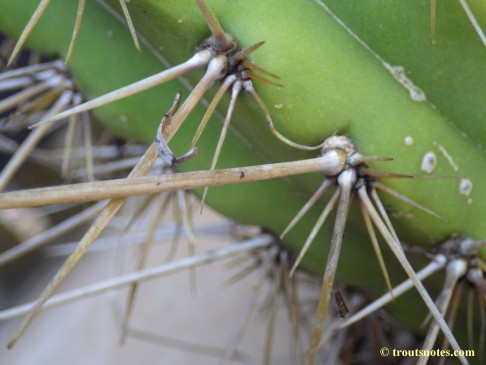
[449,70]
[333,84]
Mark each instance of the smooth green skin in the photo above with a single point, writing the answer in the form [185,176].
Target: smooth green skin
[450,71]
[332,84]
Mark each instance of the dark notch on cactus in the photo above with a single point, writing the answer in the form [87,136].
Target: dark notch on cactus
[341,304]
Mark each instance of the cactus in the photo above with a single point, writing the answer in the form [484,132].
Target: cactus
[373,71]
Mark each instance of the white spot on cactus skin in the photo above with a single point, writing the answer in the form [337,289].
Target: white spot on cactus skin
[465,187]
[408,141]
[429,162]
[398,72]
[278,106]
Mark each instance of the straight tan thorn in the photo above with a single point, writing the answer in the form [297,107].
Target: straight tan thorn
[262,79]
[77,26]
[145,274]
[122,188]
[396,194]
[253,67]
[346,181]
[314,198]
[399,254]
[131,27]
[237,86]
[224,40]
[376,248]
[228,81]
[435,265]
[215,71]
[454,270]
[317,226]
[473,21]
[198,61]
[245,52]
[90,236]
[28,28]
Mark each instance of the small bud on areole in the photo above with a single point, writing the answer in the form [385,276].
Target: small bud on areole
[340,142]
